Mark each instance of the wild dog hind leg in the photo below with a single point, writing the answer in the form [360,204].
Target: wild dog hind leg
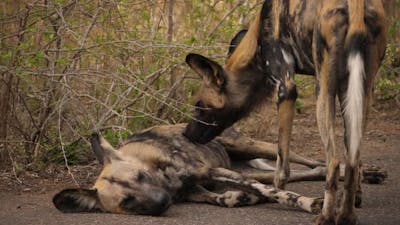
[247,148]
[267,177]
[225,176]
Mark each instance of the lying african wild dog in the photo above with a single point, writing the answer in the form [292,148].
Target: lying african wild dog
[341,42]
[159,166]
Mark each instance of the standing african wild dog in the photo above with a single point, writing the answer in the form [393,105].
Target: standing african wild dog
[159,166]
[341,42]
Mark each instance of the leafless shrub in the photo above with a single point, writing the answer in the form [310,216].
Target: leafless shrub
[70,67]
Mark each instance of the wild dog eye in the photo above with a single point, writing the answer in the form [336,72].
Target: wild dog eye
[199,105]
[128,202]
[141,177]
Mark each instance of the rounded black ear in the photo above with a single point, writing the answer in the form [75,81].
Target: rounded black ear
[102,149]
[236,41]
[210,71]
[97,149]
[77,200]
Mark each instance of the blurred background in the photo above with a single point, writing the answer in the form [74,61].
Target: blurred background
[69,67]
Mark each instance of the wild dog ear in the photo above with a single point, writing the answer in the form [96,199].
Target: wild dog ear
[210,71]
[77,200]
[236,41]
[102,149]
[246,49]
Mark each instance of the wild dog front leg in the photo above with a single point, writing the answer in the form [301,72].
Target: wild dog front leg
[233,198]
[287,95]
[312,205]
[316,174]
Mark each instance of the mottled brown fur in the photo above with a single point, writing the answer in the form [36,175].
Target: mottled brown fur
[315,37]
[159,166]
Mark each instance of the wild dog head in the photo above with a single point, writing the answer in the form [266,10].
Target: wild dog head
[126,185]
[229,92]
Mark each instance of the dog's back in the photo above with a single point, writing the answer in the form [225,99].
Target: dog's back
[168,142]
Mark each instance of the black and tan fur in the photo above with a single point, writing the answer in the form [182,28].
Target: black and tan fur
[159,166]
[341,42]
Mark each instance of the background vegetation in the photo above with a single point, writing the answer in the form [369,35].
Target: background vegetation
[69,67]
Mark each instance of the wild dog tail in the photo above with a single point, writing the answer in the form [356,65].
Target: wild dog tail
[354,102]
[356,10]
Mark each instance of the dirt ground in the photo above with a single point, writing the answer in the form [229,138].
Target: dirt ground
[29,202]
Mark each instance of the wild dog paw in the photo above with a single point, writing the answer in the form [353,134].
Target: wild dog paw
[322,220]
[236,198]
[347,220]
[316,206]
[373,174]
[228,199]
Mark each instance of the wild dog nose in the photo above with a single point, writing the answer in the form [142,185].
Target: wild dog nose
[190,132]
[163,199]
[154,204]
[200,133]
[161,202]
